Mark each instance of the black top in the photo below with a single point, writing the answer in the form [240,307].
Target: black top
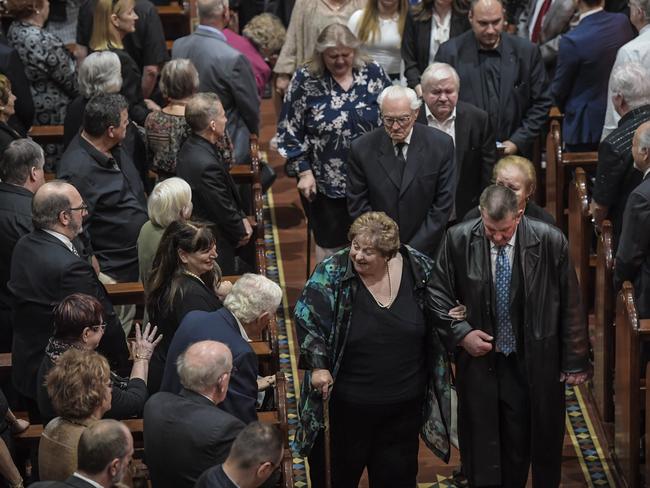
[532,210]
[490,62]
[132,87]
[384,356]
[112,189]
[214,478]
[146,45]
[126,402]
[192,295]
[7,134]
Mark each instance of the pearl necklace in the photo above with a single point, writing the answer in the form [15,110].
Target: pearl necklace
[391,298]
[189,273]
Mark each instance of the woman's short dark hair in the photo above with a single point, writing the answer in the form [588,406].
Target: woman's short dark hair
[77,383]
[379,229]
[24,8]
[74,314]
[167,267]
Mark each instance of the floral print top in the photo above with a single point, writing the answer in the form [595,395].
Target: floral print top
[320,120]
[50,68]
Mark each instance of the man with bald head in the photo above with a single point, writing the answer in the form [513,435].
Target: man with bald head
[501,74]
[187,433]
[46,267]
[633,254]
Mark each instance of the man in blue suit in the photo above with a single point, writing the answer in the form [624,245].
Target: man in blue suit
[248,307]
[585,60]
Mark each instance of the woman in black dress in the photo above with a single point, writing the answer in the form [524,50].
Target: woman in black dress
[7,109]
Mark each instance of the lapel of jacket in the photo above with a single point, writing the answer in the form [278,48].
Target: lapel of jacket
[509,68]
[529,248]
[413,158]
[424,39]
[462,128]
[388,160]
[480,259]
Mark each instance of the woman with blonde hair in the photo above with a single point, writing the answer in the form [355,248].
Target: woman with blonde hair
[113,20]
[379,27]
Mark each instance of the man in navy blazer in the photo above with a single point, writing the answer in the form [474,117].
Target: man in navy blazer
[585,60]
[247,309]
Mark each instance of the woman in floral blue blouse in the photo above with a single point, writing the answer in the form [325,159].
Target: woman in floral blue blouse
[331,101]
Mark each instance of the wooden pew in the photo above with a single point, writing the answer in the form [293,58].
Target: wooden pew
[629,386]
[46,134]
[175,21]
[559,163]
[602,337]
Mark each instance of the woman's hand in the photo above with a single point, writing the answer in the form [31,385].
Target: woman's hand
[223,289]
[282,83]
[459,312]
[307,185]
[321,379]
[265,382]
[151,105]
[144,344]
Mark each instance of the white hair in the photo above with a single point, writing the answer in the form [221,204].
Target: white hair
[251,296]
[99,73]
[395,92]
[439,71]
[632,82]
[169,199]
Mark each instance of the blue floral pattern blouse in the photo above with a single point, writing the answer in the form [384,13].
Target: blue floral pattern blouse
[320,120]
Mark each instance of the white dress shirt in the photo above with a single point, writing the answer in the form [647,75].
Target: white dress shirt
[87,480]
[406,141]
[64,239]
[447,126]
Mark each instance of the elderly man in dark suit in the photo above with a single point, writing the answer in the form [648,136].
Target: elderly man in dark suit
[214,194]
[501,74]
[186,433]
[46,267]
[404,169]
[585,59]
[225,71]
[248,307]
[475,145]
[21,172]
[615,173]
[103,457]
[523,336]
[633,254]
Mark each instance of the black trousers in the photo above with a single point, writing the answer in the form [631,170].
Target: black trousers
[514,421]
[383,438]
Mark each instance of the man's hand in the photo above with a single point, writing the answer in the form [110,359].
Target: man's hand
[477,343]
[509,148]
[418,90]
[598,212]
[151,105]
[307,185]
[321,379]
[282,83]
[95,264]
[249,232]
[575,379]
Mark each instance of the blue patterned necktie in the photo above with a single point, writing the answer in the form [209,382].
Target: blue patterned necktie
[506,342]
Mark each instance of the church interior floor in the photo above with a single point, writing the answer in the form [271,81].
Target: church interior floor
[586,458]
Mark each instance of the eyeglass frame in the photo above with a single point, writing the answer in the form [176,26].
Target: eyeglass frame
[402,120]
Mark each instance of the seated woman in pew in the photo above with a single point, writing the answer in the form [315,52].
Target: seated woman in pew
[7,109]
[78,324]
[113,20]
[518,174]
[185,277]
[79,385]
[364,335]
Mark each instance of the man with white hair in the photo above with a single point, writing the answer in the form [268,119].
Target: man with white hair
[635,51]
[405,169]
[615,174]
[225,71]
[186,432]
[632,263]
[246,310]
[476,149]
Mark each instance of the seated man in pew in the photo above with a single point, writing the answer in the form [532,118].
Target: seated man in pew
[615,173]
[214,195]
[104,456]
[254,457]
[21,172]
[248,307]
[186,433]
[633,253]
[46,266]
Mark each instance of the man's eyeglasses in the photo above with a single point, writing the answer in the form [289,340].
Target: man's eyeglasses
[403,121]
[83,208]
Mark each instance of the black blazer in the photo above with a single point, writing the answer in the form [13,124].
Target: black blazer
[421,204]
[12,67]
[633,253]
[185,434]
[416,43]
[524,96]
[475,155]
[43,272]
[7,135]
[214,195]
[71,482]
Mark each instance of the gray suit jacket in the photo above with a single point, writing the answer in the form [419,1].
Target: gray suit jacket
[226,72]
[555,23]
